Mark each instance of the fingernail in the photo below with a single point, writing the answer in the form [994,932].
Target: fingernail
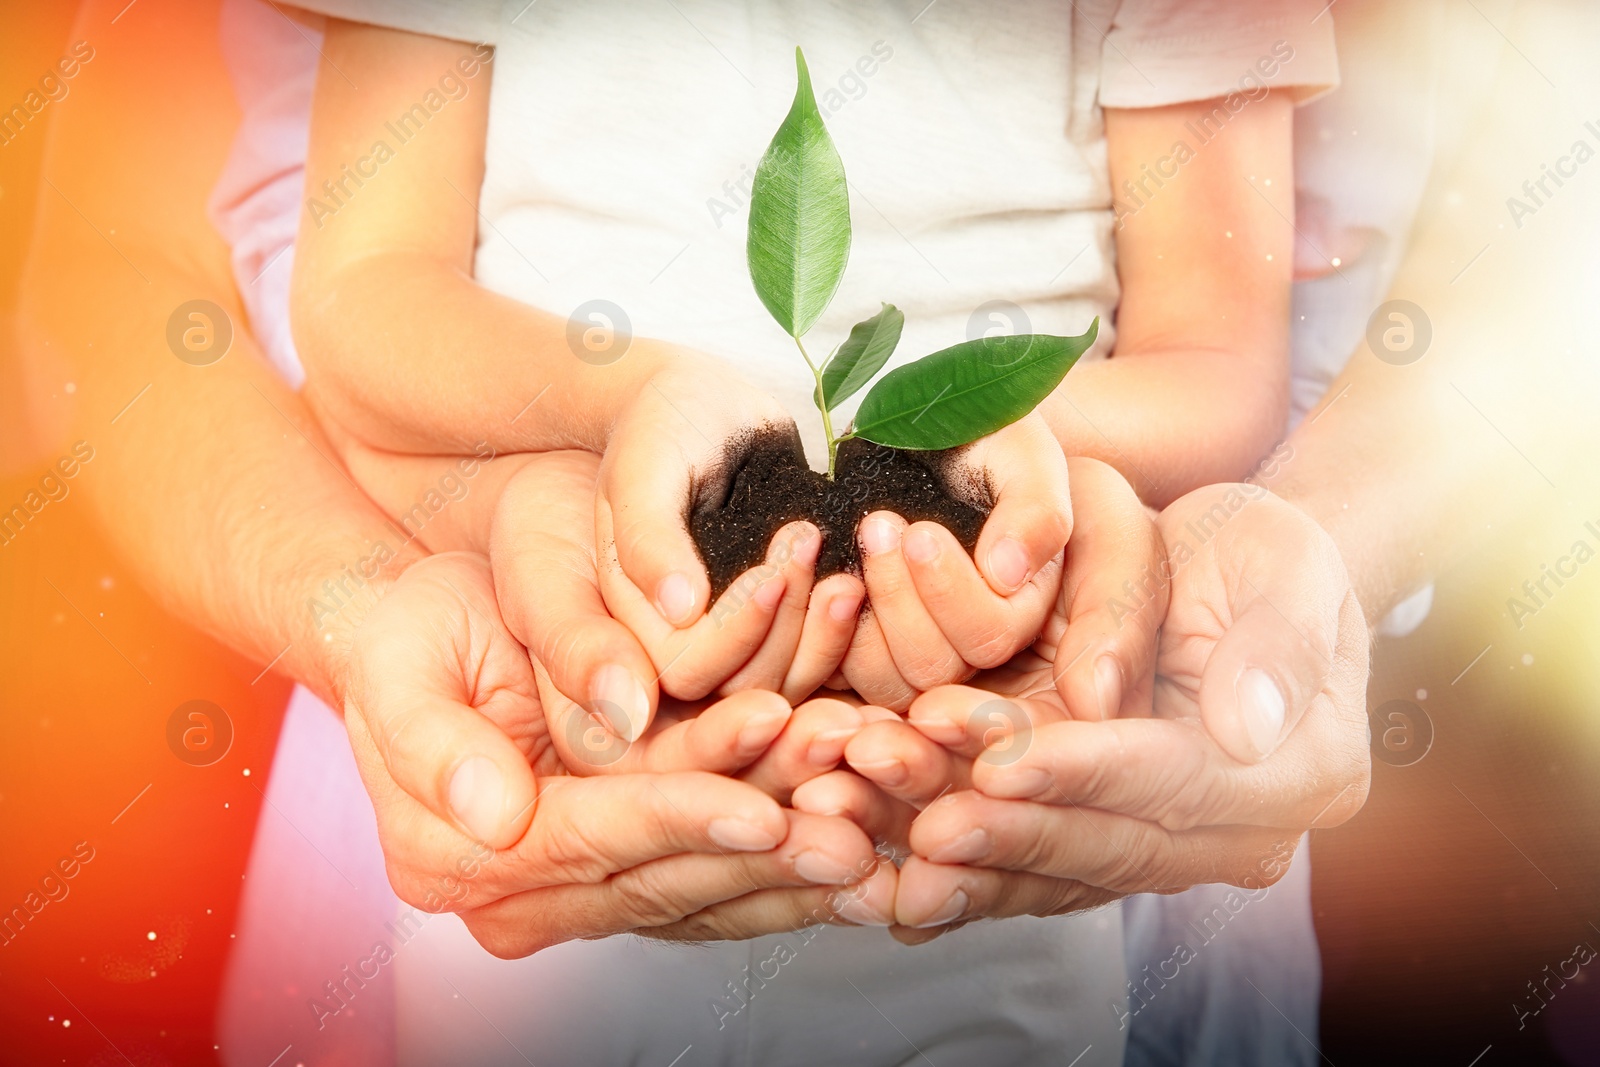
[675,598]
[478,796]
[1108,686]
[619,698]
[879,535]
[972,845]
[844,606]
[889,772]
[953,909]
[856,909]
[740,836]
[762,730]
[1262,706]
[820,869]
[1014,783]
[1008,562]
[827,748]
[807,545]
[922,546]
[769,592]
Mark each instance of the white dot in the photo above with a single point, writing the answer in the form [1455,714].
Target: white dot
[66,1023]
[1527,659]
[1269,257]
[1422,694]
[247,772]
[1335,261]
[1227,233]
[72,387]
[1267,182]
[151,936]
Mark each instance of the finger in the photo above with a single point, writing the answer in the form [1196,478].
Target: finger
[1030,522]
[643,507]
[886,820]
[794,551]
[922,654]
[830,623]
[590,828]
[905,764]
[692,662]
[545,577]
[724,738]
[869,903]
[817,858]
[1100,848]
[1115,592]
[985,629]
[417,688]
[973,722]
[1277,655]
[869,668]
[1171,772]
[934,895]
[812,743]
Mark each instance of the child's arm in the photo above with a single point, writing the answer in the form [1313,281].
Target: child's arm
[402,347]
[1197,389]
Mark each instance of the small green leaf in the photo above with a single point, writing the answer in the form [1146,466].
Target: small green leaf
[799,216]
[955,396]
[863,354]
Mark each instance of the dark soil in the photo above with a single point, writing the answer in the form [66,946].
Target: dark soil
[734,519]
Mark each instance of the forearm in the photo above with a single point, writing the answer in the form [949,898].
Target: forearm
[1197,388]
[411,355]
[1168,421]
[211,481]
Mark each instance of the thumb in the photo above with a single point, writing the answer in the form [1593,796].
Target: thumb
[429,667]
[547,586]
[1278,652]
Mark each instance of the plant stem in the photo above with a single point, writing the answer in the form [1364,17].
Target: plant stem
[822,406]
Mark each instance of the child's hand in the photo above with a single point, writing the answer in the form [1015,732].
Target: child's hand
[681,438]
[548,584]
[938,615]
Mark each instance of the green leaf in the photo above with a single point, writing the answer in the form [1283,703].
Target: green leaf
[799,216]
[863,354]
[955,396]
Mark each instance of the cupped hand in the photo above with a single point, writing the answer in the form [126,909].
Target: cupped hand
[476,812]
[763,634]
[938,615]
[1259,734]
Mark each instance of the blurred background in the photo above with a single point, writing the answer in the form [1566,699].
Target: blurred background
[1471,876]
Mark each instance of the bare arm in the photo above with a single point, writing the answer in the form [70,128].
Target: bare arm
[1413,463]
[213,482]
[402,347]
[1197,389]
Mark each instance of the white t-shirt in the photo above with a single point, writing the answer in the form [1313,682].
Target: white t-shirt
[620,141]
[623,136]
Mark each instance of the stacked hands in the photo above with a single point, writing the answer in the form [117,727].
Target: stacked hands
[564,738]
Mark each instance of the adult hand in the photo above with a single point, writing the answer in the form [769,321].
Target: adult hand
[1260,733]
[477,815]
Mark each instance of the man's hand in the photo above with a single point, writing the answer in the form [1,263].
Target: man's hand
[938,615]
[477,815]
[1263,655]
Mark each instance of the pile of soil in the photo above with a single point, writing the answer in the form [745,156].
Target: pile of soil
[771,485]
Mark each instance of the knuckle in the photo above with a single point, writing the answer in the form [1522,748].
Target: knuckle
[642,899]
